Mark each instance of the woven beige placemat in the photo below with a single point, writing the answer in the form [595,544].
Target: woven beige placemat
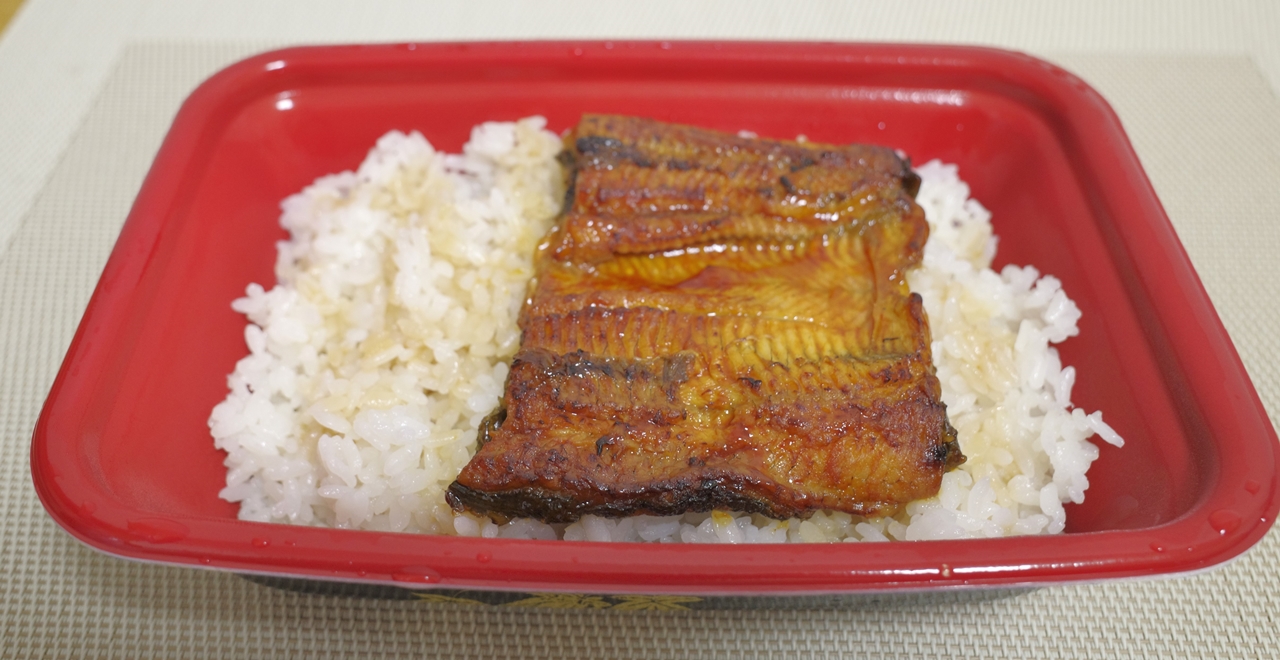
[1208,131]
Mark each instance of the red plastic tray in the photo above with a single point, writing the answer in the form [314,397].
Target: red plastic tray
[123,460]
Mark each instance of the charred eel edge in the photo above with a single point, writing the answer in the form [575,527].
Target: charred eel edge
[724,492]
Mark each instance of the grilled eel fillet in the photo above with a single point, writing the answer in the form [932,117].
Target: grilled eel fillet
[719,322]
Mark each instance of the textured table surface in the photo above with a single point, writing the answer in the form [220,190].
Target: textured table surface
[1206,125]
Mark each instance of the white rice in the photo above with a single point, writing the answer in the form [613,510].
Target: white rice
[385,343]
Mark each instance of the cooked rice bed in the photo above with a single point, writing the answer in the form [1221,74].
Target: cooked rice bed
[386,342]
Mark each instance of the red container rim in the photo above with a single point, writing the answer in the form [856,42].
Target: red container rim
[1232,516]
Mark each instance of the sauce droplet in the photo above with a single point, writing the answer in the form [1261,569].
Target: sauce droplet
[484,557]
[1252,487]
[261,543]
[1157,547]
[417,575]
[1224,521]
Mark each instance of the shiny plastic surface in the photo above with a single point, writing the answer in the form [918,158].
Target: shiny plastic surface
[123,460]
